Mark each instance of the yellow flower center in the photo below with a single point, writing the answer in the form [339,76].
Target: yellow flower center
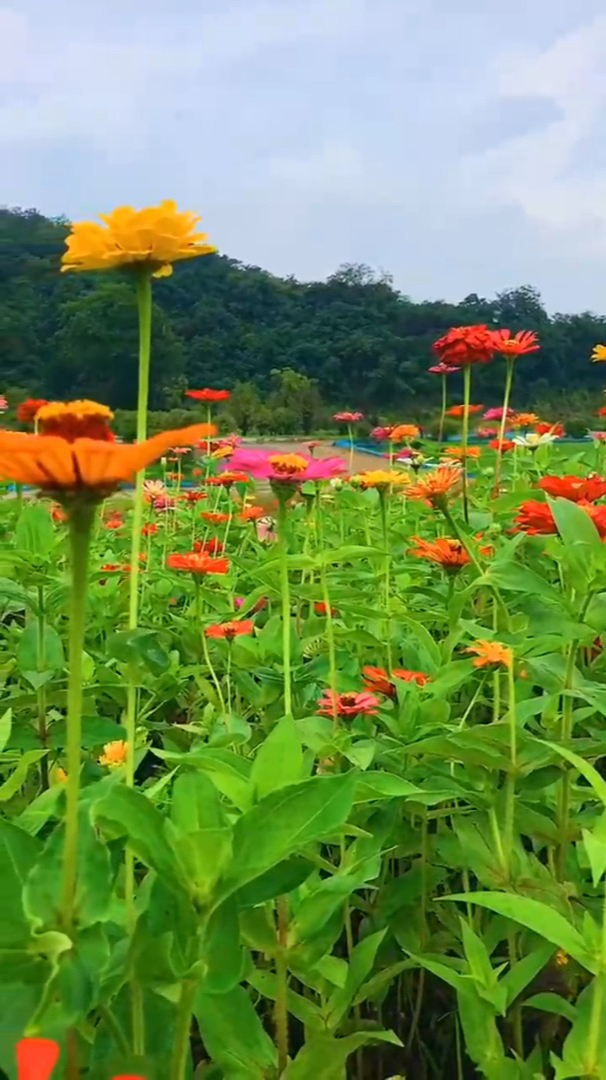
[288,464]
[73,420]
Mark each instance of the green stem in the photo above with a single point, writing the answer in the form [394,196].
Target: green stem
[330,635]
[41,691]
[281,1005]
[228,676]
[443,413]
[565,736]
[465,434]
[182,1034]
[285,594]
[510,788]
[207,659]
[386,570]
[595,1040]
[81,519]
[351,448]
[508,384]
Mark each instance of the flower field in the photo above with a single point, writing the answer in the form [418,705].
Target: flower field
[302,766]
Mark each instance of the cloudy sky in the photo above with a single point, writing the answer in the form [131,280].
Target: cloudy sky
[458,144]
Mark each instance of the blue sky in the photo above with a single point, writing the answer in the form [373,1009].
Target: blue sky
[458,144]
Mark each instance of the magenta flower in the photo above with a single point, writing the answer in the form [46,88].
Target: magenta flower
[442,369]
[286,468]
[381,434]
[496,413]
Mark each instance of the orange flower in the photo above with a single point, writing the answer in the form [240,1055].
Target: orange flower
[77,458]
[222,452]
[36,1058]
[490,652]
[460,454]
[198,563]
[226,479]
[150,239]
[436,486]
[545,428]
[378,681]
[446,552]
[251,513]
[525,341]
[215,517]
[149,530]
[458,411]
[209,547]
[230,630]
[404,433]
[114,754]
[523,420]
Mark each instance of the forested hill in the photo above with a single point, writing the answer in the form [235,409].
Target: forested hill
[219,323]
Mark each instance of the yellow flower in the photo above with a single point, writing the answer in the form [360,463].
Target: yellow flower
[599,353]
[379,478]
[153,238]
[114,754]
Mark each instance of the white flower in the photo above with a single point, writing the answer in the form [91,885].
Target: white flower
[532,441]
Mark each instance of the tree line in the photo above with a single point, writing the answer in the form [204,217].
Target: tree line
[290,351]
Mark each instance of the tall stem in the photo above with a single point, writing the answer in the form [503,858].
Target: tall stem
[144,306]
[181,1043]
[565,733]
[595,1040]
[330,636]
[508,384]
[510,788]
[383,504]
[281,1007]
[285,595]
[41,691]
[465,434]
[80,524]
[443,413]
[351,447]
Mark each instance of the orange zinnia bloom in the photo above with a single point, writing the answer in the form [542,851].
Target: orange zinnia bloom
[459,453]
[458,411]
[114,754]
[251,513]
[506,445]
[198,563]
[226,479]
[523,420]
[488,653]
[378,681]
[525,341]
[404,432]
[215,517]
[436,486]
[446,552]
[77,456]
[230,630]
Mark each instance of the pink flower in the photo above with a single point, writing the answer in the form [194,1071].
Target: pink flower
[348,704]
[598,436]
[259,606]
[286,468]
[152,489]
[442,369]
[163,503]
[381,434]
[496,413]
[487,432]
[3,403]
[348,417]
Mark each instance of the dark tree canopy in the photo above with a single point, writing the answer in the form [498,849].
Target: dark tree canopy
[359,342]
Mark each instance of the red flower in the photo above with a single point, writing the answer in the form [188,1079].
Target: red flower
[320,608]
[149,530]
[251,513]
[525,341]
[113,523]
[209,547]
[348,704]
[464,345]
[536,518]
[28,410]
[507,444]
[215,517]
[194,496]
[378,680]
[208,395]
[230,630]
[226,479]
[198,563]
[544,428]
[458,411]
[348,417]
[36,1058]
[575,488]
[441,369]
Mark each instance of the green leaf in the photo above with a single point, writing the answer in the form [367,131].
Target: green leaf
[324,1058]
[18,854]
[535,915]
[282,745]
[34,532]
[31,657]
[551,1003]
[359,968]
[234,1036]
[576,529]
[124,812]
[138,647]
[285,821]
[6,723]
[16,780]
[585,768]
[520,579]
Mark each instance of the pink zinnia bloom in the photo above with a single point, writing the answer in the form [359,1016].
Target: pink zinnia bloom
[348,417]
[348,704]
[598,436]
[3,403]
[381,433]
[442,369]
[487,432]
[496,413]
[163,503]
[153,488]
[286,468]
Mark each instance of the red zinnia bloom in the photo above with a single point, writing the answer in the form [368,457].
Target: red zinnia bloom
[230,630]
[208,395]
[149,530]
[602,411]
[464,345]
[535,518]
[507,444]
[226,479]
[575,488]
[28,410]
[442,369]
[193,496]
[378,680]
[446,552]
[320,608]
[544,428]
[348,417]
[458,411]
[215,517]
[198,563]
[209,547]
[113,523]
[525,341]
[348,704]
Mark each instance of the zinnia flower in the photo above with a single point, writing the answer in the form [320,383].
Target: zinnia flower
[193,496]
[149,530]
[251,513]
[3,403]
[599,353]
[381,479]
[379,681]
[114,754]
[208,395]
[214,546]
[320,608]
[348,704]
[545,428]
[150,239]
[532,441]
[446,552]
[536,518]
[215,517]
[507,444]
[442,369]
[404,432]
[524,420]
[598,436]
[348,417]
[514,345]
[75,453]
[227,479]
[36,1059]
[464,345]
[460,453]
[487,432]
[490,653]
[152,489]
[575,488]
[198,563]
[458,411]
[496,413]
[230,630]
[28,410]
[381,434]
[436,486]
[286,468]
